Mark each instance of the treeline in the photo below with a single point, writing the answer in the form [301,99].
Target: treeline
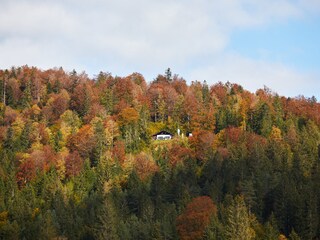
[77,159]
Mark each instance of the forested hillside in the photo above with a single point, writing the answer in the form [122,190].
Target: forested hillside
[78,160]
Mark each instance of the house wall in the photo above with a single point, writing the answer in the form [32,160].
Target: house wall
[163,137]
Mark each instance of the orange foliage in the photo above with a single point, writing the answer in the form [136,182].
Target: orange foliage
[118,152]
[144,165]
[180,85]
[3,131]
[10,115]
[201,142]
[220,92]
[83,141]
[128,116]
[191,224]
[302,107]
[178,154]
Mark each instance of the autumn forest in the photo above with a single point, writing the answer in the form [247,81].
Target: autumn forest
[78,159]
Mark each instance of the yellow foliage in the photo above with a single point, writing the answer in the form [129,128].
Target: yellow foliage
[218,140]
[282,237]
[60,166]
[155,127]
[107,186]
[275,134]
[128,116]
[17,127]
[35,212]
[36,110]
[71,120]
[3,218]
[36,146]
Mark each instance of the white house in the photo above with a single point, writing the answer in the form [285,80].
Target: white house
[163,135]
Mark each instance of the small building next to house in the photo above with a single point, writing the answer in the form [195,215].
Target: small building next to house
[163,135]
[189,134]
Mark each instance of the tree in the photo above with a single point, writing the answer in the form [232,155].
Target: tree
[83,141]
[74,164]
[239,221]
[201,142]
[105,228]
[128,122]
[191,224]
[168,74]
[144,165]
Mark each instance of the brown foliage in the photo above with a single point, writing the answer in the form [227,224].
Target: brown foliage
[38,160]
[191,224]
[74,164]
[26,172]
[10,115]
[43,159]
[233,134]
[83,141]
[118,152]
[144,165]
[201,143]
[178,154]
[128,116]
[219,91]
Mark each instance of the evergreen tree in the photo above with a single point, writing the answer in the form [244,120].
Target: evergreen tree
[239,221]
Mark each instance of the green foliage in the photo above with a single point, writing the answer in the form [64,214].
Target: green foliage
[239,221]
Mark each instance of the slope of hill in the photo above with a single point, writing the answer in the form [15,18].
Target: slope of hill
[78,160]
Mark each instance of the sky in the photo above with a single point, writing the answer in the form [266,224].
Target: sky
[254,43]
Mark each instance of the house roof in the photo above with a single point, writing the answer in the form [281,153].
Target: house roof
[162,133]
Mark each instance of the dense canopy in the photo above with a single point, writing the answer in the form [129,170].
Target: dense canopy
[78,161]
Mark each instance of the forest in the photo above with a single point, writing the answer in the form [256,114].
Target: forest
[78,161]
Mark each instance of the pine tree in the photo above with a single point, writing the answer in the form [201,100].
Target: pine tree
[239,221]
[107,221]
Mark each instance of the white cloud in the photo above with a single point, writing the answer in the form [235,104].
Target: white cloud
[141,35]
[253,74]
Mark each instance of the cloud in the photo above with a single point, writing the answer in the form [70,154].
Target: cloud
[141,35]
[253,74]
[137,30]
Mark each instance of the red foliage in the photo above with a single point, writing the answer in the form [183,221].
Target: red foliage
[220,91]
[123,92]
[201,143]
[118,152]
[82,98]
[254,141]
[178,154]
[233,134]
[26,172]
[43,159]
[191,224]
[74,164]
[302,107]
[95,110]
[60,103]
[39,160]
